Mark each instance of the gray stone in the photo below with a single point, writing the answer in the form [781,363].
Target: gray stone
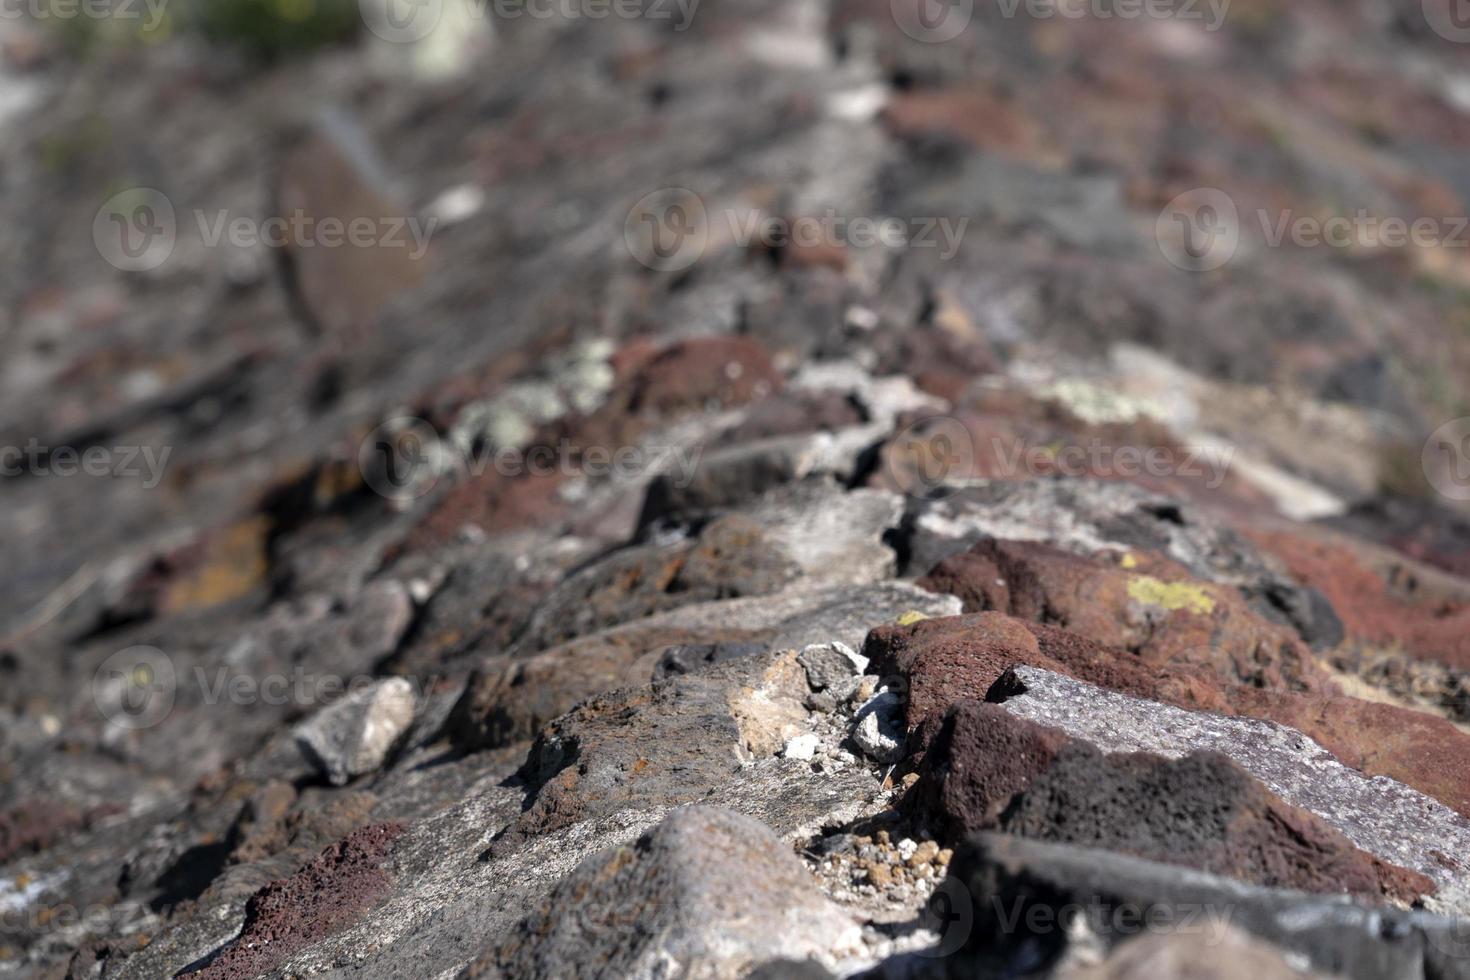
[879,727]
[707,893]
[832,666]
[355,735]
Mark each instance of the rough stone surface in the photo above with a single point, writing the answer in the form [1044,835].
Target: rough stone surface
[1004,879]
[355,735]
[1382,817]
[511,699]
[705,893]
[1148,606]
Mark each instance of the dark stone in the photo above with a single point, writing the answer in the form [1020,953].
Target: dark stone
[1008,897]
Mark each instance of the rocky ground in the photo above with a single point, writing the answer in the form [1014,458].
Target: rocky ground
[617,587]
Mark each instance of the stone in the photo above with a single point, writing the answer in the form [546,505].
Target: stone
[1385,818]
[1148,606]
[320,898]
[355,735]
[802,748]
[975,761]
[510,699]
[832,666]
[687,739]
[1010,900]
[944,662]
[333,173]
[878,728]
[665,904]
[1200,811]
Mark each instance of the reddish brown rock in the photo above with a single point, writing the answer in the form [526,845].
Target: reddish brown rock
[1149,607]
[980,757]
[941,661]
[946,661]
[1383,603]
[321,898]
[696,375]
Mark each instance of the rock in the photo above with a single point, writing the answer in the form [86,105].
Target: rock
[832,666]
[945,661]
[511,699]
[1149,606]
[666,904]
[687,739]
[789,970]
[333,174]
[1384,818]
[1200,811]
[733,476]
[354,736]
[814,532]
[977,760]
[1385,600]
[1084,517]
[1011,898]
[685,658]
[988,770]
[878,728]
[802,748]
[320,898]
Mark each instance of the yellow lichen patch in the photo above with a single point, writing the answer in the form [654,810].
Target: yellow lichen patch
[1172,596]
[911,617]
[1130,560]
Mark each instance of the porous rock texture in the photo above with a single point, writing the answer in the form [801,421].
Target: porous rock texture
[531,609]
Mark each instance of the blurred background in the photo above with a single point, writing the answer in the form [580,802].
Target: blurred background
[275,273]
